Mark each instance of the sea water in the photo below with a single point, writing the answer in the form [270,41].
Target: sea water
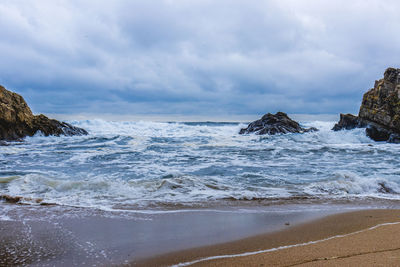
[161,166]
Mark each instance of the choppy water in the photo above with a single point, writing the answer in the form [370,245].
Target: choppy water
[149,165]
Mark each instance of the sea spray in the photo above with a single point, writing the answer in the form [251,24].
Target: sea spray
[154,165]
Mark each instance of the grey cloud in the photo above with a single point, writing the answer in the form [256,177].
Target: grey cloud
[196,57]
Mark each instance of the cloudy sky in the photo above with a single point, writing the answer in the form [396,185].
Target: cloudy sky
[202,57]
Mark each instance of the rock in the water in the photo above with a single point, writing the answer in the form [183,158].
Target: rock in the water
[274,124]
[17,120]
[377,133]
[379,111]
[348,122]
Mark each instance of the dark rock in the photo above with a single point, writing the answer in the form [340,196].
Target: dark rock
[19,199]
[377,133]
[382,103]
[379,110]
[10,199]
[275,124]
[17,120]
[53,127]
[348,122]
[385,189]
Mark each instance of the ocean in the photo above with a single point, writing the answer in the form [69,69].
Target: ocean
[162,166]
[129,191]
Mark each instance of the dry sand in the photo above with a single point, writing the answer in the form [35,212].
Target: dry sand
[360,244]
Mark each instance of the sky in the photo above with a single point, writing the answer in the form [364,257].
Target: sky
[202,58]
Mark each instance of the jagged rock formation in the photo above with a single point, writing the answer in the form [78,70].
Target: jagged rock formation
[382,104]
[348,122]
[379,111]
[274,124]
[17,120]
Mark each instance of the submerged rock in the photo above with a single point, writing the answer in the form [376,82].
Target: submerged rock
[379,110]
[19,199]
[10,199]
[274,124]
[17,120]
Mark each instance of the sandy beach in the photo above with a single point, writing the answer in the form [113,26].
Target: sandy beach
[54,235]
[286,235]
[359,238]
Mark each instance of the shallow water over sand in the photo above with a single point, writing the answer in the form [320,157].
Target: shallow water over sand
[65,236]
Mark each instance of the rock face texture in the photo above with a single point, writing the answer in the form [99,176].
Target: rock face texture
[17,120]
[379,111]
[382,103]
[274,124]
[348,122]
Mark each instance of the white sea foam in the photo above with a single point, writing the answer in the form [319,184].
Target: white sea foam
[348,183]
[156,163]
[5,218]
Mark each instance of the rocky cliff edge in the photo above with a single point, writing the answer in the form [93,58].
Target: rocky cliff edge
[379,110]
[17,120]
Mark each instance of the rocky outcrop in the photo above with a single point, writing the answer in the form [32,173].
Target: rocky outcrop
[348,122]
[382,103]
[379,111]
[17,120]
[274,124]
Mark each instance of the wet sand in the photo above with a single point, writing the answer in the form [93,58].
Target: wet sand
[65,236]
[62,236]
[355,238]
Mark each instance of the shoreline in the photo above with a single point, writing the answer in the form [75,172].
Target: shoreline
[301,244]
[71,235]
[65,235]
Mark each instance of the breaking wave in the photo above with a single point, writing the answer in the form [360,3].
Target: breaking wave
[123,165]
